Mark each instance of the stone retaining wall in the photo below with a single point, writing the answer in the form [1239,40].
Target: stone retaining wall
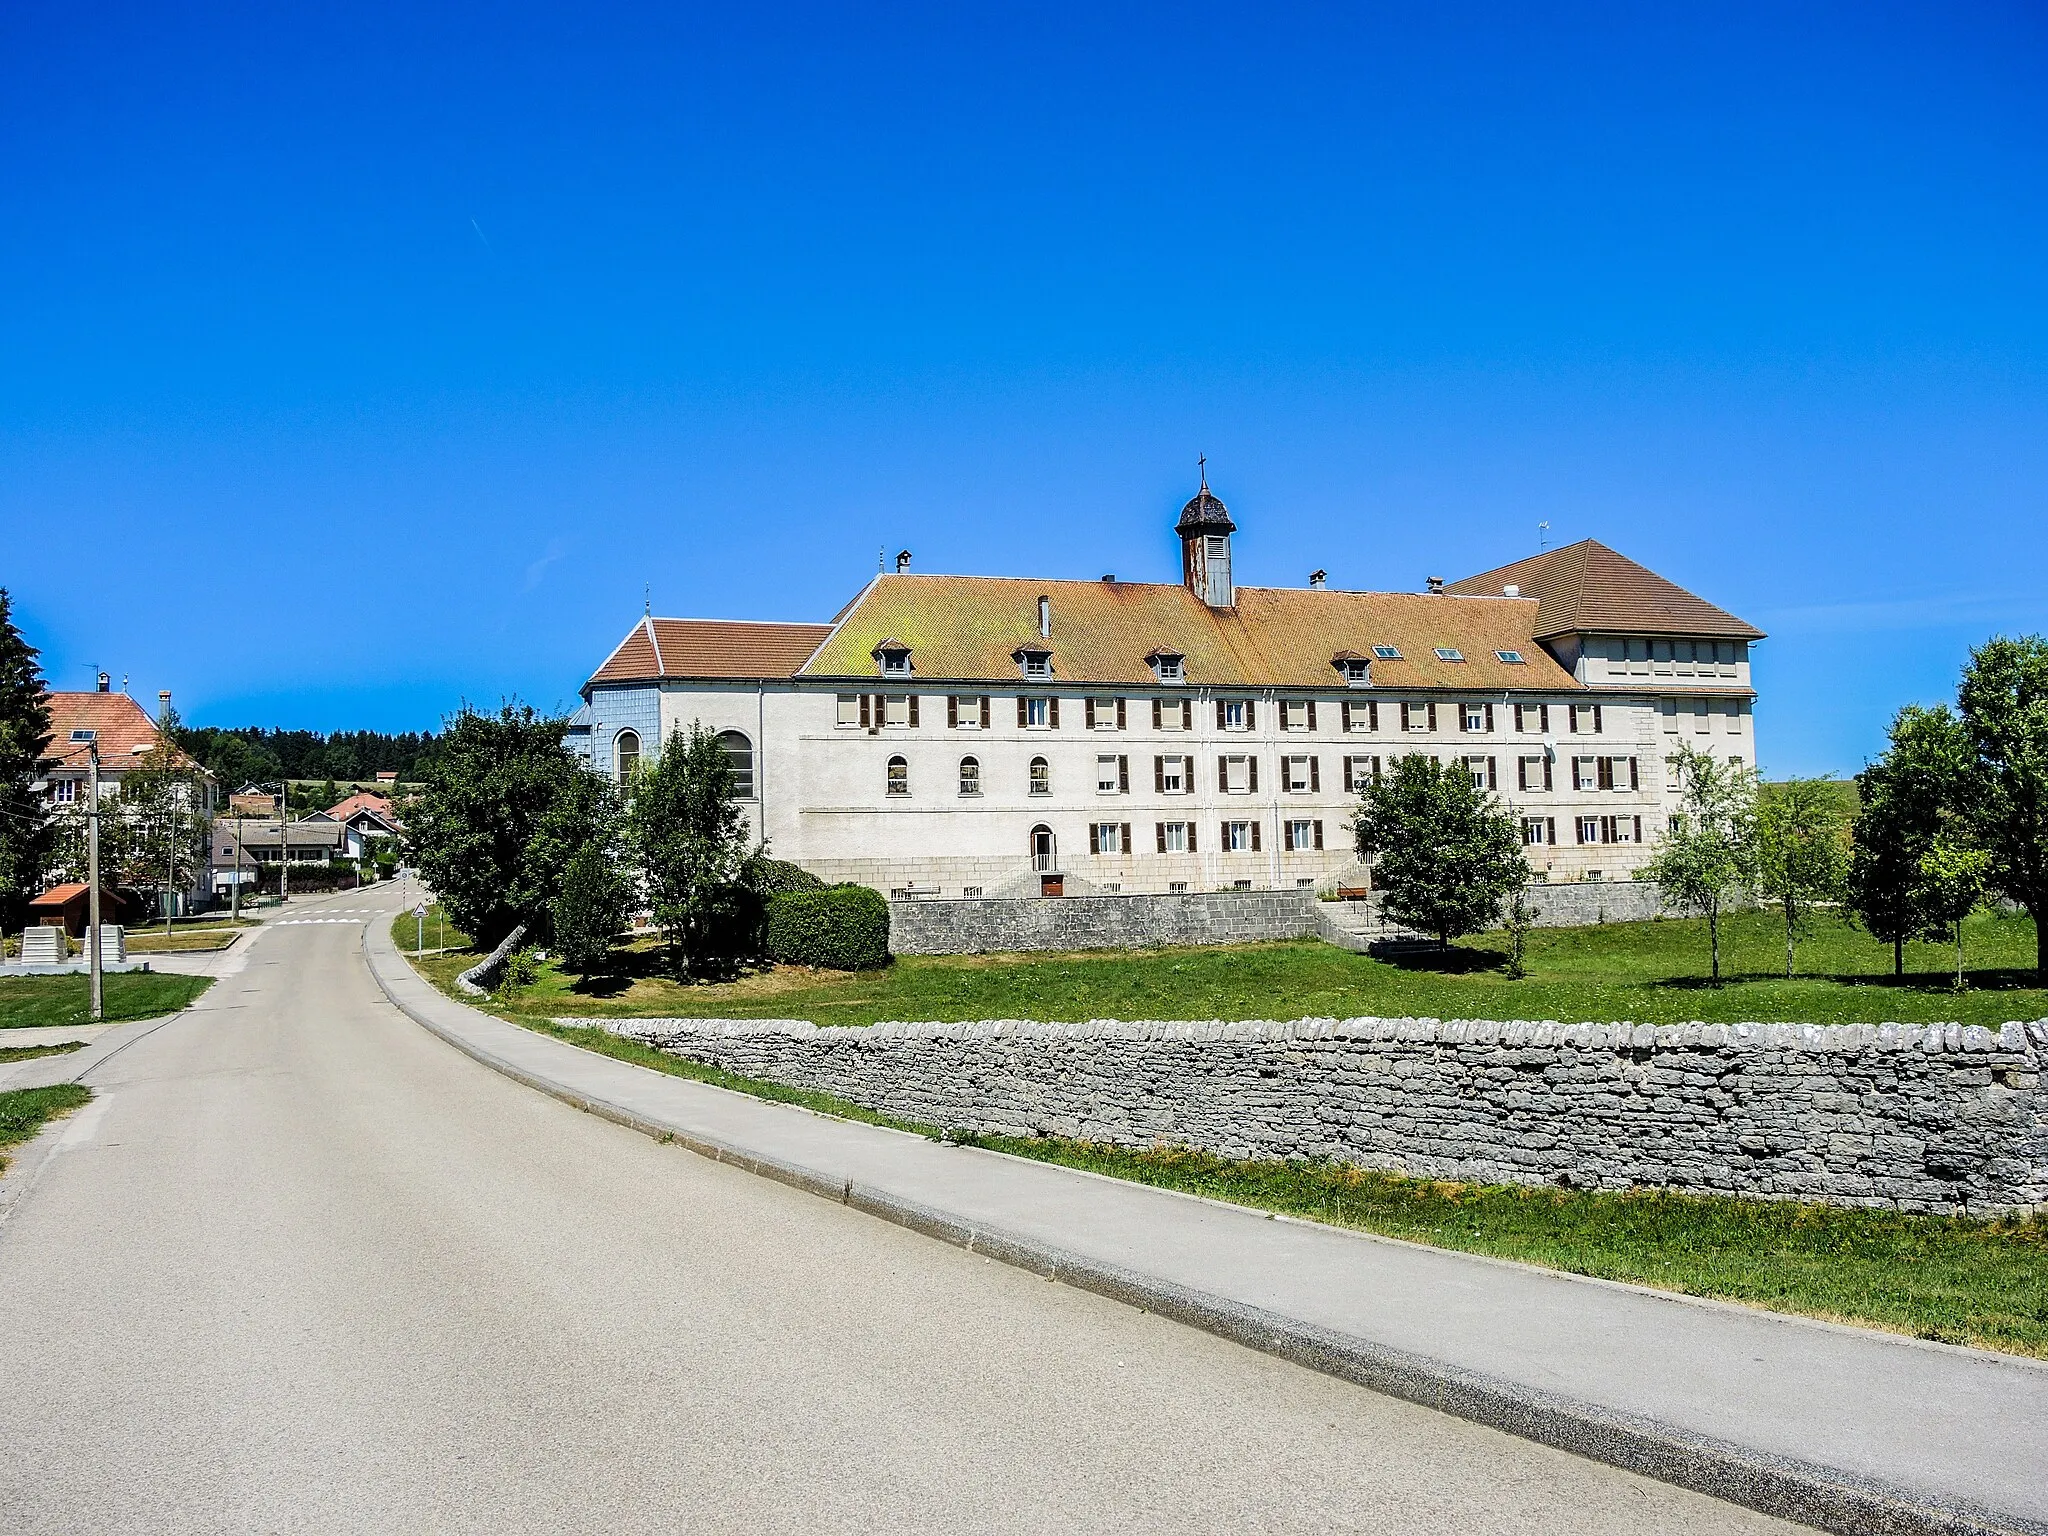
[1922,1118]
[990,925]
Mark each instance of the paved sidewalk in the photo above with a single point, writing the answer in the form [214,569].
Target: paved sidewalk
[1842,1428]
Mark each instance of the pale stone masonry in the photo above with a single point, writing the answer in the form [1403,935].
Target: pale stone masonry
[999,737]
[1938,1118]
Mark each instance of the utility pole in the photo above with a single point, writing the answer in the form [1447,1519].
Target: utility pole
[92,875]
[284,847]
[163,731]
[235,891]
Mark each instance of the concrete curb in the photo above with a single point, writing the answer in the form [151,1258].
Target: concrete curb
[1824,1498]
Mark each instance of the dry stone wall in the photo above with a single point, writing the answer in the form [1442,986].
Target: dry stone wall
[1921,1118]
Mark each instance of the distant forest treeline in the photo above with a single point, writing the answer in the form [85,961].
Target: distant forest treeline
[250,754]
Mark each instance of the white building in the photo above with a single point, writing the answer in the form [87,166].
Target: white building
[963,735]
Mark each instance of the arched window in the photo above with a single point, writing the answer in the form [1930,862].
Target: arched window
[970,776]
[1043,852]
[626,754]
[1041,776]
[740,752]
[899,776]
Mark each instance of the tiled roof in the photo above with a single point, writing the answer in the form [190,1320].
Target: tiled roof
[1587,587]
[968,629]
[123,725]
[718,648]
[378,806]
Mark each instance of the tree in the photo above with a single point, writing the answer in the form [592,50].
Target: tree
[692,838]
[506,806]
[1903,796]
[2004,704]
[1707,856]
[26,834]
[1449,855]
[162,840]
[1952,876]
[1802,853]
[597,892]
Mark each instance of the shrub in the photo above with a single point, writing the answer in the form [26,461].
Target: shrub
[774,877]
[841,928]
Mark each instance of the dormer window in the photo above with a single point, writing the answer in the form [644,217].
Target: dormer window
[1168,666]
[1449,653]
[894,657]
[1387,652]
[1355,669]
[1035,661]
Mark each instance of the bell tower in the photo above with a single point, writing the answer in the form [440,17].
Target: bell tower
[1205,529]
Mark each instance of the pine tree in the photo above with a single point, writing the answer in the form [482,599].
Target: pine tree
[26,833]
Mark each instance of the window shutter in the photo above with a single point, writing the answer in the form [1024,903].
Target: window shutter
[1251,714]
[1219,714]
[1223,837]
[1222,775]
[1123,778]
[1315,774]
[1546,779]
[1432,714]
[1191,836]
[1187,718]
[1311,714]
[1372,714]
[1155,719]
[1603,772]
[1255,837]
[1579,826]
[1287,837]
[952,711]
[1159,786]
[1521,773]
[1160,828]
[1489,719]
[1639,829]
[1088,713]
[1543,717]
[1596,720]
[984,711]
[1319,836]
[1634,780]
[1345,716]
[1119,714]
[913,709]
[1251,765]
[1053,710]
[1572,718]
[1020,709]
[864,711]
[1127,837]
[1492,772]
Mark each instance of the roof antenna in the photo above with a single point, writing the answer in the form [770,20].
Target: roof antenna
[1543,535]
[647,599]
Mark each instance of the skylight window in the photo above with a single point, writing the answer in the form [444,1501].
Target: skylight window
[1513,658]
[1387,652]
[1447,653]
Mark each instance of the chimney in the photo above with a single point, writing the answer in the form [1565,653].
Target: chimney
[1045,618]
[1511,590]
[1109,578]
[106,682]
[1436,585]
[902,562]
[163,714]
[1316,580]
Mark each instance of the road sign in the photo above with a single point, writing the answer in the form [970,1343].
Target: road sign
[420,910]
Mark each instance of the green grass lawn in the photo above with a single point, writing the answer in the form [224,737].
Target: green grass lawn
[29,1002]
[1643,972]
[30,1052]
[23,1111]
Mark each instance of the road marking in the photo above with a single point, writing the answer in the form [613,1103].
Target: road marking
[301,922]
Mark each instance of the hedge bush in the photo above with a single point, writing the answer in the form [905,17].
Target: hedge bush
[773,877]
[841,928]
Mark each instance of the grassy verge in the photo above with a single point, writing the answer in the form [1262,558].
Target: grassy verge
[23,1111]
[29,1002]
[180,940]
[30,1052]
[1642,972]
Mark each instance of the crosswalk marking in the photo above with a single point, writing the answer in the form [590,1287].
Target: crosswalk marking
[302,922]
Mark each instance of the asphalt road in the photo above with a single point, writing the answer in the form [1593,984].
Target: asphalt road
[303,1267]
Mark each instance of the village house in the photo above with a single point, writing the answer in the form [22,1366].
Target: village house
[966,735]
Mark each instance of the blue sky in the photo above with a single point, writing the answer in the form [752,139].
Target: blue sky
[359,362]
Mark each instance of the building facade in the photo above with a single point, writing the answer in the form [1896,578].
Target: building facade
[952,735]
